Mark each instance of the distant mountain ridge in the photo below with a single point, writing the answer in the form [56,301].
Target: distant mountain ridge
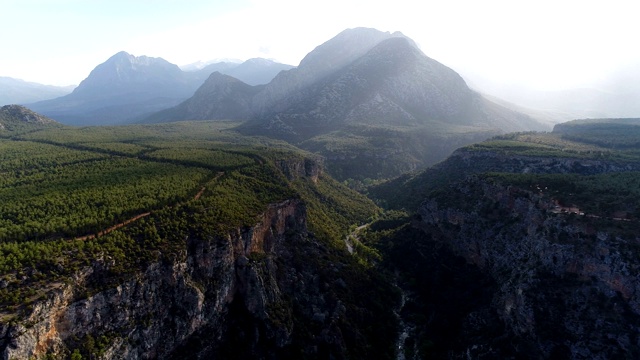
[127,87]
[16,91]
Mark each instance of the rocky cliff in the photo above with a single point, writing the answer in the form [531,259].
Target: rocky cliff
[566,284]
[254,286]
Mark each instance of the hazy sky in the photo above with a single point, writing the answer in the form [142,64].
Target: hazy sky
[543,43]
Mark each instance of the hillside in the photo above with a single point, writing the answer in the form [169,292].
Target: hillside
[520,246]
[256,71]
[16,118]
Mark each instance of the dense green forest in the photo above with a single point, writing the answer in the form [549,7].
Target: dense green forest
[64,191]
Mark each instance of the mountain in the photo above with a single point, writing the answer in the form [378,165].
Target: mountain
[18,118]
[325,59]
[15,91]
[523,246]
[220,97]
[395,84]
[120,89]
[125,88]
[372,103]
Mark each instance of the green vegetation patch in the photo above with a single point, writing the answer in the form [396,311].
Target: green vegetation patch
[333,208]
[217,159]
[27,157]
[117,147]
[609,133]
[85,197]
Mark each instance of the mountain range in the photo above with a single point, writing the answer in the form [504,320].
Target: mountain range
[371,102]
[361,75]
[126,87]
[192,240]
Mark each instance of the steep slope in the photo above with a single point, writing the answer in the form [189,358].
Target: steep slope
[220,97]
[523,246]
[16,118]
[325,59]
[15,91]
[389,111]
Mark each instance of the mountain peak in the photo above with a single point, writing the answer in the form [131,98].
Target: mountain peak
[121,55]
[345,47]
[123,58]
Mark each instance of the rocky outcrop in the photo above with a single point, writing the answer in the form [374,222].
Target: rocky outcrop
[566,287]
[176,299]
[299,168]
[17,117]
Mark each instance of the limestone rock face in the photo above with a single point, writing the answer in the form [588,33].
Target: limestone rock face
[174,302]
[294,169]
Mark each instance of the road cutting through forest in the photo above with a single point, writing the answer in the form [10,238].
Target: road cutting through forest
[139,216]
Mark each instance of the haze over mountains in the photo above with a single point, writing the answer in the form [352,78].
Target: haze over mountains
[16,91]
[369,101]
[219,231]
[360,76]
[126,87]
[612,96]
[365,95]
